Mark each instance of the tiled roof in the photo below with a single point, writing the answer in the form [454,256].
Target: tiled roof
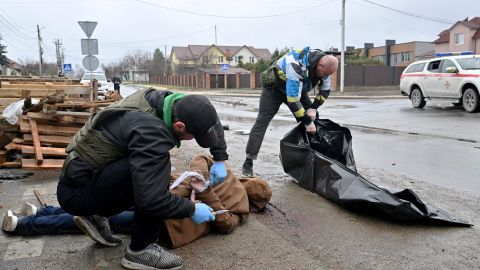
[197,50]
[477,35]
[473,23]
[182,53]
[263,54]
[193,52]
[443,37]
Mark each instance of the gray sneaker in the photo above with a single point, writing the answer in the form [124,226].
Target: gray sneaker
[98,229]
[152,257]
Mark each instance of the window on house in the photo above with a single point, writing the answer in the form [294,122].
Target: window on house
[235,59]
[240,58]
[220,59]
[205,59]
[252,59]
[380,58]
[406,57]
[459,39]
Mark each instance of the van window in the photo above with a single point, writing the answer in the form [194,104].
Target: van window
[469,63]
[415,68]
[433,66]
[445,64]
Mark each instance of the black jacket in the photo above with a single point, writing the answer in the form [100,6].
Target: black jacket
[147,140]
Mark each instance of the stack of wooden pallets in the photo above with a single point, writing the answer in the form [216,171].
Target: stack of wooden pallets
[47,128]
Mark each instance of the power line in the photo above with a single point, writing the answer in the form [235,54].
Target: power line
[13,28]
[237,17]
[157,39]
[410,13]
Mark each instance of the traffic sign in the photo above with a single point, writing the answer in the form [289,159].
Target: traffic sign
[88,27]
[224,67]
[67,68]
[89,46]
[90,62]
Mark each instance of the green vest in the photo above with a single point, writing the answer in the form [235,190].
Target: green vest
[95,148]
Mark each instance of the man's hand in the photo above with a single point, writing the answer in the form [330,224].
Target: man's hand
[218,172]
[203,213]
[312,113]
[311,128]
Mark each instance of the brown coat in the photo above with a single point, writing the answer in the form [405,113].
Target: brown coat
[237,195]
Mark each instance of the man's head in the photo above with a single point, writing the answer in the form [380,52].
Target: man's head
[327,65]
[195,117]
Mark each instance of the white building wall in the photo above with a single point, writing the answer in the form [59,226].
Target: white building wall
[467,33]
[246,53]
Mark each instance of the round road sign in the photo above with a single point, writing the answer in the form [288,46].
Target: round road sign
[90,62]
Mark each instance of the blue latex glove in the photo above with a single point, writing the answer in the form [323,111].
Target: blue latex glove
[218,172]
[203,213]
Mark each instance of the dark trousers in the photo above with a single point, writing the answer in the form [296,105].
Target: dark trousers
[270,102]
[108,192]
[51,220]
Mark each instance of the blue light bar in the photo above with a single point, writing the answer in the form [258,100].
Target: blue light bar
[454,53]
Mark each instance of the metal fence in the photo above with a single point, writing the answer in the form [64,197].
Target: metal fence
[356,75]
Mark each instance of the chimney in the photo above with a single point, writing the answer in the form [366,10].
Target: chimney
[367,46]
[388,43]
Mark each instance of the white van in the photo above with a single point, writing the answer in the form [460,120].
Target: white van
[455,78]
[103,84]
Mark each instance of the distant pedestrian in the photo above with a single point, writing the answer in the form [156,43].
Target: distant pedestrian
[288,80]
[116,84]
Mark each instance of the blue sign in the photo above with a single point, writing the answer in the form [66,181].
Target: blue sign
[67,67]
[224,67]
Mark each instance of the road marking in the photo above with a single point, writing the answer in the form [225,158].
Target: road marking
[24,249]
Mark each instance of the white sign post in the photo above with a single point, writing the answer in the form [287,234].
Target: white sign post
[89,48]
[225,69]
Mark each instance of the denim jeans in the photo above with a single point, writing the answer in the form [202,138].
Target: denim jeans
[270,102]
[51,220]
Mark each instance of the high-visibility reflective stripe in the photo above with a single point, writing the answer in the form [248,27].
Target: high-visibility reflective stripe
[299,113]
[292,99]
[282,75]
[321,98]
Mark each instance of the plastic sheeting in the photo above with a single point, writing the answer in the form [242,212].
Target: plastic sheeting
[323,163]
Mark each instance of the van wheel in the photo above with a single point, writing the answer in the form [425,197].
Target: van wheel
[418,101]
[471,100]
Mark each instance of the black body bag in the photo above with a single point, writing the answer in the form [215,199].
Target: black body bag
[323,163]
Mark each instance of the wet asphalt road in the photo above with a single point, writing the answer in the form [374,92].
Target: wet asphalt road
[434,151]
[439,144]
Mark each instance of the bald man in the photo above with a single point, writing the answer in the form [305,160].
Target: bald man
[288,81]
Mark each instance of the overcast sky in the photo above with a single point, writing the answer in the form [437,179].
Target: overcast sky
[129,25]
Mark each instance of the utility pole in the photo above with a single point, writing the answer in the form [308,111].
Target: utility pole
[215,35]
[59,53]
[342,57]
[40,51]
[166,65]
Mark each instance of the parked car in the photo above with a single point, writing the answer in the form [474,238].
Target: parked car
[455,78]
[103,84]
